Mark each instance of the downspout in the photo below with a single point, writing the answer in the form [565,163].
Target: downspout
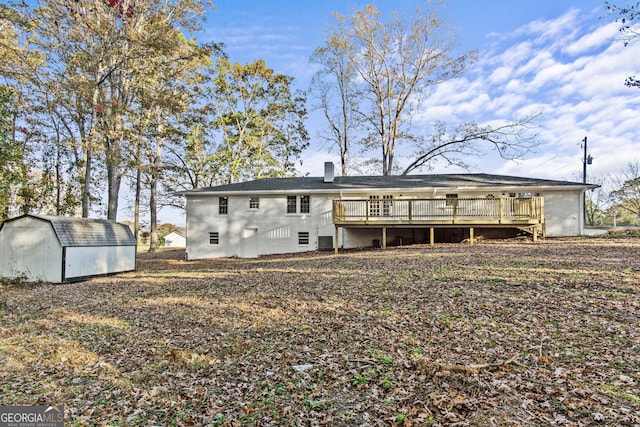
[582,217]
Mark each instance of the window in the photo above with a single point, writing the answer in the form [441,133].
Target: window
[223,205]
[374,205]
[303,238]
[292,204]
[378,207]
[254,202]
[452,199]
[214,238]
[527,195]
[305,204]
[386,205]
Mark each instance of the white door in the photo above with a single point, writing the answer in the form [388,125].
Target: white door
[250,243]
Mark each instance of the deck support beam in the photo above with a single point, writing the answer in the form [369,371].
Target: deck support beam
[471,236]
[336,241]
[431,236]
[384,238]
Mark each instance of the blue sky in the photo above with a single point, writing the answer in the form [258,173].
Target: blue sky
[558,56]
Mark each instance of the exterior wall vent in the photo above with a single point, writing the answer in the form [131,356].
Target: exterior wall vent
[329,173]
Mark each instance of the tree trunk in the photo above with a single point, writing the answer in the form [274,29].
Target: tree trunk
[136,208]
[86,194]
[58,174]
[154,177]
[153,217]
[113,179]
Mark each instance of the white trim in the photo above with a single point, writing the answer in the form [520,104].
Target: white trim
[433,190]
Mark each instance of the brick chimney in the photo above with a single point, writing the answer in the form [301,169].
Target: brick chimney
[329,173]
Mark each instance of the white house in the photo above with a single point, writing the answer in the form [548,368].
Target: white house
[62,249]
[175,239]
[286,215]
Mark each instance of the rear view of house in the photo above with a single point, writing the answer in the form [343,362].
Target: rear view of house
[287,215]
[62,249]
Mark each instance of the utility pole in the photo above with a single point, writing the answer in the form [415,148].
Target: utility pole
[587,160]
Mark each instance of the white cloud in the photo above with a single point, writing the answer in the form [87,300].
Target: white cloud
[600,37]
[500,75]
[571,70]
[569,67]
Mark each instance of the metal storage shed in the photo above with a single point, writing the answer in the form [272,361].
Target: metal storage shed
[63,249]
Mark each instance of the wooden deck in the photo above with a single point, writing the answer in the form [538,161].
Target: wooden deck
[516,212]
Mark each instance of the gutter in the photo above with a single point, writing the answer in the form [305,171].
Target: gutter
[433,190]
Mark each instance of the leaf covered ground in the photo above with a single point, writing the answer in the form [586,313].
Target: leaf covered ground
[508,333]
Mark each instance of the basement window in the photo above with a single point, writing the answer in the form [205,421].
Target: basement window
[303,237]
[214,238]
[451,199]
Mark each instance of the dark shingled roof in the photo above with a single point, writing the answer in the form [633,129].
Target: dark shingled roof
[87,232]
[341,183]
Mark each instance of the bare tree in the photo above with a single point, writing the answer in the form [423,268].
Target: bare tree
[335,89]
[597,201]
[627,195]
[510,140]
[396,65]
[627,16]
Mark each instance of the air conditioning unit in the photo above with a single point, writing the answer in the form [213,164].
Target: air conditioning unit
[325,242]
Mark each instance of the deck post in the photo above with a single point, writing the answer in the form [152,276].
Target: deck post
[367,207]
[455,211]
[471,237]
[336,241]
[384,238]
[535,233]
[431,239]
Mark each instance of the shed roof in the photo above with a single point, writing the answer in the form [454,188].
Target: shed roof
[177,233]
[401,182]
[75,232]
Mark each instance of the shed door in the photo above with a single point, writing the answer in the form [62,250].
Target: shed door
[250,243]
[31,249]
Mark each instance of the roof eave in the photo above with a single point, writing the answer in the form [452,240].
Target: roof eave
[353,190]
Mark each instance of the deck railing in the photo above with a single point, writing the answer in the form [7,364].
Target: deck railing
[499,210]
